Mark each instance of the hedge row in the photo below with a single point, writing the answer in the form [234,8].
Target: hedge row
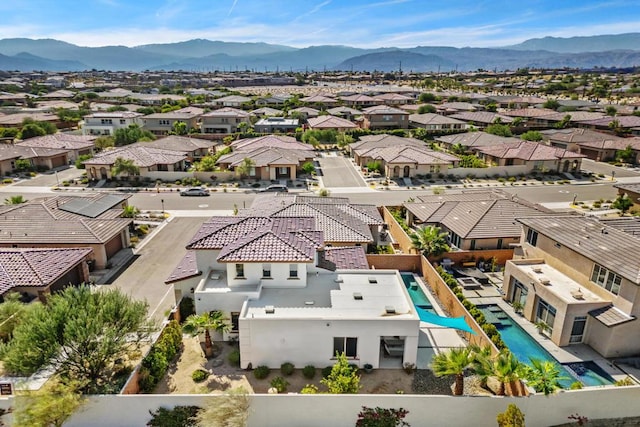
[162,353]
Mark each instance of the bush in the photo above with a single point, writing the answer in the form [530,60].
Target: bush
[199,375]
[287,369]
[279,384]
[326,371]
[234,358]
[179,416]
[261,372]
[155,364]
[309,389]
[576,385]
[309,371]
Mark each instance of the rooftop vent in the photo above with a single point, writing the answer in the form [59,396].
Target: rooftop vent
[373,280]
[544,280]
[389,309]
[537,270]
[357,296]
[269,309]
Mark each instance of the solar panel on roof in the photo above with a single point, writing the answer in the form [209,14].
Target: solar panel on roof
[92,208]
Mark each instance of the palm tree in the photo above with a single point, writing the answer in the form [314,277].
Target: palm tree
[14,200]
[430,241]
[245,167]
[453,362]
[130,211]
[482,362]
[506,368]
[127,166]
[543,376]
[199,323]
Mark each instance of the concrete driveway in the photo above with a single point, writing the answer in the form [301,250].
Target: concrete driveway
[338,171]
[607,169]
[51,178]
[144,278]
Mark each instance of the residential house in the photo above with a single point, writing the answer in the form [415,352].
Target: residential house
[88,221]
[320,100]
[383,117]
[16,120]
[224,120]
[193,148]
[472,141]
[268,276]
[306,112]
[393,99]
[147,159]
[276,125]
[598,146]
[75,145]
[534,118]
[235,101]
[270,141]
[107,123]
[436,123]
[266,112]
[579,277]
[330,123]
[41,271]
[481,119]
[359,100]
[346,113]
[474,221]
[163,123]
[631,190]
[626,124]
[38,157]
[277,100]
[448,108]
[537,157]
[268,163]
[400,157]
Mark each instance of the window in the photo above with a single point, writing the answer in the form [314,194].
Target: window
[123,121]
[532,237]
[266,271]
[164,122]
[473,244]
[546,314]
[293,271]
[239,271]
[577,330]
[106,122]
[346,345]
[520,292]
[235,321]
[454,239]
[606,279]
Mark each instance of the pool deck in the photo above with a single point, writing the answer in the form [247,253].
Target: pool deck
[492,294]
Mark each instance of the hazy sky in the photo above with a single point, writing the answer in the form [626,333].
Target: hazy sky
[300,23]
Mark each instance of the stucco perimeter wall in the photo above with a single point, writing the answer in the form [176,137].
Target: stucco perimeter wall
[504,171]
[460,257]
[451,303]
[400,262]
[294,410]
[202,176]
[400,238]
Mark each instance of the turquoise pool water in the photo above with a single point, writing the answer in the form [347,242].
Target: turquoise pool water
[415,292]
[524,347]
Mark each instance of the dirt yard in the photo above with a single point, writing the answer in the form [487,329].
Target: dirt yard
[225,377]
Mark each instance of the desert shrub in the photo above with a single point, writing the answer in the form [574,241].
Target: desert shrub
[199,375]
[309,371]
[156,362]
[287,368]
[309,389]
[234,358]
[261,372]
[279,384]
[179,416]
[576,385]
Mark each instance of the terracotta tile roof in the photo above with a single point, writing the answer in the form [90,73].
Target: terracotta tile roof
[383,109]
[37,267]
[404,155]
[625,121]
[434,119]
[266,156]
[18,118]
[227,112]
[280,240]
[337,111]
[114,115]
[15,151]
[528,150]
[385,140]
[220,231]
[178,143]
[271,141]
[347,257]
[318,99]
[186,268]
[475,139]
[530,112]
[59,140]
[142,156]
[486,117]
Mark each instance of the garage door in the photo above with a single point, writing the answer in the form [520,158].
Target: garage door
[58,161]
[113,246]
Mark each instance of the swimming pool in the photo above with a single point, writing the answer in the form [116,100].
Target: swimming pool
[525,347]
[415,292]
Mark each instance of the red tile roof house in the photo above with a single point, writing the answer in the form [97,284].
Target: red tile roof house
[537,157]
[225,120]
[39,271]
[44,158]
[162,123]
[268,163]
[194,148]
[280,288]
[68,222]
[147,159]
[75,145]
[330,122]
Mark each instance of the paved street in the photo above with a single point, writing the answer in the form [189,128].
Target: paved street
[144,278]
[607,169]
[338,171]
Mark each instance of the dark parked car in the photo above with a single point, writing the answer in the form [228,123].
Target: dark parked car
[196,191]
[276,188]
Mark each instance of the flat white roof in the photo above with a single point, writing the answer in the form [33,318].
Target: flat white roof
[352,294]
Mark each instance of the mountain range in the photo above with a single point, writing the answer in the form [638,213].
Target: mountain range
[620,50]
